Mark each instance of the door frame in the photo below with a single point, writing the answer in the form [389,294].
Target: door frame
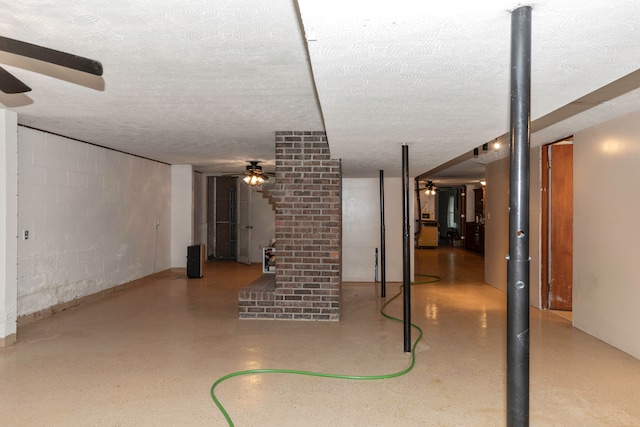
[545,242]
[243,223]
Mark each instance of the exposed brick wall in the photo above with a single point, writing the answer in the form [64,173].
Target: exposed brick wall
[257,300]
[308,199]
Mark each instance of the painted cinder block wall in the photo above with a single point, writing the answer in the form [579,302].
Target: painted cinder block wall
[91,214]
[8,226]
[308,215]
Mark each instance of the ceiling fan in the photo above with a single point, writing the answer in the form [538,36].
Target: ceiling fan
[253,174]
[11,85]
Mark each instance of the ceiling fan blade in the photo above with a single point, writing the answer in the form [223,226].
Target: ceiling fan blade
[11,84]
[50,55]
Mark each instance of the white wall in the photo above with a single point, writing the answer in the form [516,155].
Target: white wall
[470,203]
[606,278]
[263,221]
[361,227]
[535,224]
[496,225]
[182,207]
[8,225]
[91,215]
[427,203]
[496,245]
[199,209]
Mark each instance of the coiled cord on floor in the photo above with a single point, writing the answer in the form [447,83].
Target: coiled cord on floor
[337,376]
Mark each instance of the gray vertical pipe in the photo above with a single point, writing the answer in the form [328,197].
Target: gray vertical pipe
[518,260]
[383,257]
[406,269]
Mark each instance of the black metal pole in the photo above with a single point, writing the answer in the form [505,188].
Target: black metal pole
[383,257]
[518,260]
[463,216]
[419,207]
[406,269]
[375,265]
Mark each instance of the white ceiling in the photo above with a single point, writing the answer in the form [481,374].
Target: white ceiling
[208,83]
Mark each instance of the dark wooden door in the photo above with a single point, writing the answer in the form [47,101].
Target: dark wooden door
[561,227]
[225,246]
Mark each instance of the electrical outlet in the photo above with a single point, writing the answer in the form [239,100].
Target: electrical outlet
[25,234]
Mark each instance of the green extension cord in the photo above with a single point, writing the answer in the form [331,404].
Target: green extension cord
[319,374]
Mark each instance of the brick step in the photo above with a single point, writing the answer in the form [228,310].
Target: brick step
[257,299]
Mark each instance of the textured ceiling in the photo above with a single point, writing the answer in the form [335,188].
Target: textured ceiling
[185,82]
[436,75]
[208,83]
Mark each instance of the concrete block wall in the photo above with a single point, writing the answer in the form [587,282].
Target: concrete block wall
[307,195]
[182,213]
[8,226]
[91,215]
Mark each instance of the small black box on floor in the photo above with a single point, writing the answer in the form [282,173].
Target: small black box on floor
[195,261]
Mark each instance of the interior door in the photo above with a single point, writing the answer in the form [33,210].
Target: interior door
[560,226]
[224,237]
[211,216]
[244,223]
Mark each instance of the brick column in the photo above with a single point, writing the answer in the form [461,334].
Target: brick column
[308,199]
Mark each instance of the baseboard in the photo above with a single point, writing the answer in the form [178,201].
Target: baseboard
[42,314]
[8,340]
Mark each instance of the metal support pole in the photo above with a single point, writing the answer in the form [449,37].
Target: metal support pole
[518,260]
[375,266]
[406,268]
[383,256]
[418,226]
[463,216]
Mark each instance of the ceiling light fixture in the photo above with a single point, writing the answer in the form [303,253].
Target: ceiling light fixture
[254,175]
[431,189]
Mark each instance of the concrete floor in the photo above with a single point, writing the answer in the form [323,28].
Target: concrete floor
[148,356]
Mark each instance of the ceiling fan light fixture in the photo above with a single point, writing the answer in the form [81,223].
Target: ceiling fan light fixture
[431,189]
[254,175]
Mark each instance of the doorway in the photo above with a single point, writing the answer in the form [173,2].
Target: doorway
[557,226]
[244,227]
[449,214]
[222,212]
